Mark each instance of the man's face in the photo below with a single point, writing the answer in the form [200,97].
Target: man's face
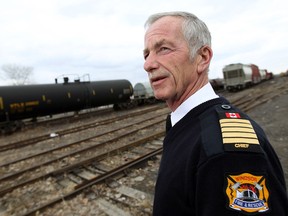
[171,73]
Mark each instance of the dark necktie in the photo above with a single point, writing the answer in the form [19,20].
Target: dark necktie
[168,123]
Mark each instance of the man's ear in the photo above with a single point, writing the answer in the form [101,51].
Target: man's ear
[205,54]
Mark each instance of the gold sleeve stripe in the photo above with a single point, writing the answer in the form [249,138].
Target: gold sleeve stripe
[240,140]
[245,121]
[243,135]
[238,129]
[236,125]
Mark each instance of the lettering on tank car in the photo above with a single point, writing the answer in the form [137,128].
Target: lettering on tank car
[32,103]
[17,107]
[23,106]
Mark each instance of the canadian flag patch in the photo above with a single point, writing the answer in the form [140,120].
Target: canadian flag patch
[232,115]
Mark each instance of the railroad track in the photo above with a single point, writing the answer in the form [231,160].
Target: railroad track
[61,132]
[70,157]
[58,156]
[72,180]
[86,177]
[66,117]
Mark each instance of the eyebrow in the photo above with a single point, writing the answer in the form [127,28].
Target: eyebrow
[155,46]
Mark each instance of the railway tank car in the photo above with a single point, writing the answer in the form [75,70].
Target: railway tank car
[31,101]
[143,93]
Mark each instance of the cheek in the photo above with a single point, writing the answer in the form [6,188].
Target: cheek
[178,76]
[184,79]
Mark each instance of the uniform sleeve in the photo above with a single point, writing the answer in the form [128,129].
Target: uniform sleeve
[241,174]
[232,183]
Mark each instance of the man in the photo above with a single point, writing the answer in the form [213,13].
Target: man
[216,160]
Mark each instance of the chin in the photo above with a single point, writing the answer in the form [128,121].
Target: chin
[160,96]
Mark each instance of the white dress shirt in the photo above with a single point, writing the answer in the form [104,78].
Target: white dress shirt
[202,95]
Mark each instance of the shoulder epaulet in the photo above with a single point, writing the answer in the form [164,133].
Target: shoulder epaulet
[237,131]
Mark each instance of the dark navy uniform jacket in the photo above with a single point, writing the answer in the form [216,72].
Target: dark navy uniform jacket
[218,162]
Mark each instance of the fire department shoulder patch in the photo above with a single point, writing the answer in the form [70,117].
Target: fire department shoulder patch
[247,193]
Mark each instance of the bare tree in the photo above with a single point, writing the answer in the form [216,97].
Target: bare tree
[18,74]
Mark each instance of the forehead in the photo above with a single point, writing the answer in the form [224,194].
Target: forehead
[164,27]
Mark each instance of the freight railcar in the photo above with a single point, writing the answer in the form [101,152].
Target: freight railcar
[31,101]
[240,76]
[143,93]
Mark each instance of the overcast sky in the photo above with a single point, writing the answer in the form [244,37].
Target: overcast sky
[104,38]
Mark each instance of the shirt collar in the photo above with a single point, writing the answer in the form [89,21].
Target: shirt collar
[202,95]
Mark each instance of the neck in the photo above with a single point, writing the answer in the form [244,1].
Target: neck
[174,104]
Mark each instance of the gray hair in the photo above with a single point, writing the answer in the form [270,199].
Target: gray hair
[194,30]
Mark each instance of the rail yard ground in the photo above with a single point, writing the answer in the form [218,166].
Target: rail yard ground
[273,117]
[131,193]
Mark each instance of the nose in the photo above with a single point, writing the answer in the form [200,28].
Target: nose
[150,63]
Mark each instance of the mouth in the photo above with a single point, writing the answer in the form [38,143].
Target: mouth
[157,80]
